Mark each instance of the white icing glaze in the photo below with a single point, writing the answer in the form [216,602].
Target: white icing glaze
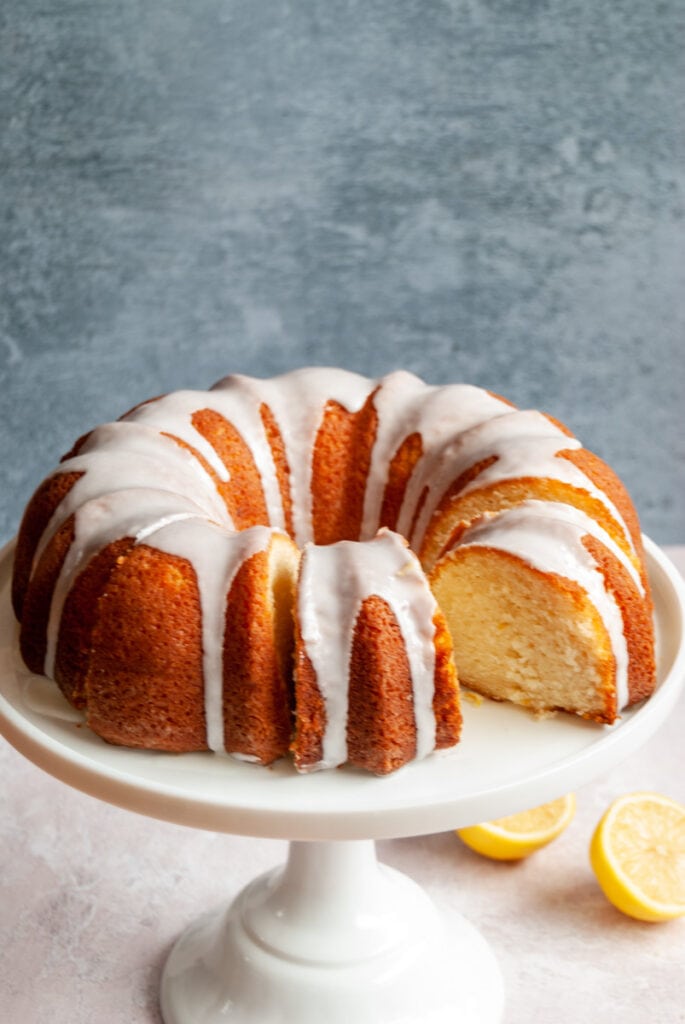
[335,580]
[405,406]
[122,456]
[215,556]
[525,443]
[237,399]
[459,426]
[173,414]
[100,521]
[297,401]
[548,536]
[175,524]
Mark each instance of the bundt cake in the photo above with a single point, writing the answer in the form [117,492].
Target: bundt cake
[284,565]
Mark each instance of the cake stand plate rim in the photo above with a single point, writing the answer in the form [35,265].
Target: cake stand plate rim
[220,794]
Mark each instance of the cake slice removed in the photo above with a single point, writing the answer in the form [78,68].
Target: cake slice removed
[546,611]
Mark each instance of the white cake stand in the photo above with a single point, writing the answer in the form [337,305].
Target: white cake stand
[333,935]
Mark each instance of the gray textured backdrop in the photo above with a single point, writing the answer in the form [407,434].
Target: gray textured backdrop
[480,190]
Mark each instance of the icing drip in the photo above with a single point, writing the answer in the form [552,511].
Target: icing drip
[405,406]
[177,525]
[237,400]
[297,401]
[525,443]
[548,536]
[173,414]
[335,580]
[122,456]
[125,513]
[215,556]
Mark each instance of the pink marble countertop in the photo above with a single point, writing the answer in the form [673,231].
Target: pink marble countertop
[92,898]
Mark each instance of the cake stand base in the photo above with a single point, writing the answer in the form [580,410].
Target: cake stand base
[331,936]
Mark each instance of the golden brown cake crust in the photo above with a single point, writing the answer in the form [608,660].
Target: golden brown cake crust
[145,683]
[381,730]
[36,605]
[310,724]
[400,469]
[340,468]
[79,619]
[129,645]
[446,707]
[243,496]
[638,625]
[256,701]
[34,522]
[606,480]
[278,452]
[462,511]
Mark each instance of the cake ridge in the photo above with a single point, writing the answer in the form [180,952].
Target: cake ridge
[215,566]
[137,513]
[384,567]
[297,401]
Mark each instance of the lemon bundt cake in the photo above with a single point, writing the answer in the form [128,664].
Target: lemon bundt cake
[284,564]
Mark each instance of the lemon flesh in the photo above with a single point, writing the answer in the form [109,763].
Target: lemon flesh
[519,835]
[638,856]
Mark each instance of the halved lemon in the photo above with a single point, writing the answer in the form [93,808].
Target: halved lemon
[519,835]
[638,855]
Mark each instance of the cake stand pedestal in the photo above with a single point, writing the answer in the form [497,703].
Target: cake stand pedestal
[333,935]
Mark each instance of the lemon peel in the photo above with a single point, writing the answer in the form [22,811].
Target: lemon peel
[637,853]
[519,835]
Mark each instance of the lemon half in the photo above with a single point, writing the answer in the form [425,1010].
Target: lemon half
[519,835]
[638,855]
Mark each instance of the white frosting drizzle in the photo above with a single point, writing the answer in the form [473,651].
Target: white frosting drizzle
[459,426]
[237,399]
[121,456]
[297,401]
[335,580]
[126,513]
[405,406]
[548,536]
[525,443]
[173,413]
[216,556]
